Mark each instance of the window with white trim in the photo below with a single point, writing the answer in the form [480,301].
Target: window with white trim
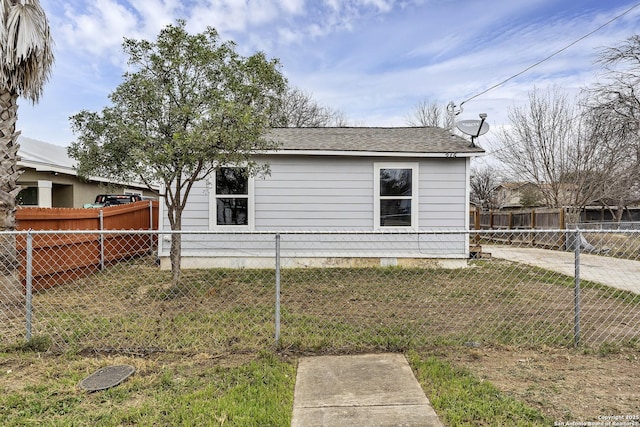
[396,195]
[232,199]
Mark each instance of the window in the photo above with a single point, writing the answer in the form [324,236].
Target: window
[232,202]
[396,195]
[28,197]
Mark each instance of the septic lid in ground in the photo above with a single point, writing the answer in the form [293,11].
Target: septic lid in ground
[107,377]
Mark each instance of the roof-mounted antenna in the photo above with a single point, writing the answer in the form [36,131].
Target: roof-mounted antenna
[453,111]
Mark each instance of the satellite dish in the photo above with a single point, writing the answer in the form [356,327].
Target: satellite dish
[474,128]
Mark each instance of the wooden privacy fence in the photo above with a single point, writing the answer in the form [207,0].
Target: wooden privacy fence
[59,257]
[533,219]
[538,219]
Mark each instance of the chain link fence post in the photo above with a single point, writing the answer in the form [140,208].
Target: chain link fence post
[101,216]
[277,314]
[29,285]
[150,226]
[576,289]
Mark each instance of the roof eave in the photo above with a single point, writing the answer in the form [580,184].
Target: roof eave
[44,167]
[47,167]
[346,153]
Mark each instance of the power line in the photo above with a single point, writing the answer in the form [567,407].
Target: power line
[553,54]
[574,117]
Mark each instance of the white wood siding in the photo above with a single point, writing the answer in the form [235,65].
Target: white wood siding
[312,193]
[442,194]
[315,193]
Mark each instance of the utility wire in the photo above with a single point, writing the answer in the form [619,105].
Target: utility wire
[553,54]
[575,117]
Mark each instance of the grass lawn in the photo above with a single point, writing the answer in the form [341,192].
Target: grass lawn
[200,390]
[205,354]
[189,391]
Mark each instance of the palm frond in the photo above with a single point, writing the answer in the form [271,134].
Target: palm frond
[5,6]
[28,57]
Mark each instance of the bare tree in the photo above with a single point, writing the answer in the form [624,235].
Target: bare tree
[614,104]
[484,187]
[299,109]
[552,144]
[618,97]
[428,113]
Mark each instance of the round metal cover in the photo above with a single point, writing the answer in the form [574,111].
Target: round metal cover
[107,377]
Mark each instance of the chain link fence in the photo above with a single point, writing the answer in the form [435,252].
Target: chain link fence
[318,291]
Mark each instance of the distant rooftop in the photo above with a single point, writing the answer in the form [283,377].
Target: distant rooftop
[45,156]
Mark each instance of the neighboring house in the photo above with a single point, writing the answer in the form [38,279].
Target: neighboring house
[516,195]
[50,179]
[347,181]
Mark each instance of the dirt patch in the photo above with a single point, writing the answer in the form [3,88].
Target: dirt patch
[564,384]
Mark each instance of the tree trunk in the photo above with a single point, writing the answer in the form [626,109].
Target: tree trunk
[9,175]
[175,254]
[9,172]
[10,286]
[572,215]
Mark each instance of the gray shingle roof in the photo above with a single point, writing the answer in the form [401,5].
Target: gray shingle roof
[373,139]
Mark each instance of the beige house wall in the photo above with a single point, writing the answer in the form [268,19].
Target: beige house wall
[68,191]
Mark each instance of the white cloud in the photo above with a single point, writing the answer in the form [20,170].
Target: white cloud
[373,59]
[381,5]
[100,28]
[156,14]
[288,36]
[293,7]
[235,16]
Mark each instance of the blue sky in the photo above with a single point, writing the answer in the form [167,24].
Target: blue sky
[372,59]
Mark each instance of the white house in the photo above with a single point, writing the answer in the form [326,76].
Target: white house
[367,193]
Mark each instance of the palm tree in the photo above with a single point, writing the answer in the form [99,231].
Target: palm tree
[26,59]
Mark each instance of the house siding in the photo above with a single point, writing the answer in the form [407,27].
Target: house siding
[334,194]
[311,193]
[442,194]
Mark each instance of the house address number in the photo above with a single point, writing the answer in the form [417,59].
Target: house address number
[451,155]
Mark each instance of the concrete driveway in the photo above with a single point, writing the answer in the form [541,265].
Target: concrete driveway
[617,273]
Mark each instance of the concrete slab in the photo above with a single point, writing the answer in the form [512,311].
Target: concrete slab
[614,272]
[367,390]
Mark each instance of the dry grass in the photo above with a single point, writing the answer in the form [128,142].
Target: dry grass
[133,306]
[507,323]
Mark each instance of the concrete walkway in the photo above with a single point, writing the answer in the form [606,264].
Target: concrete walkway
[618,273]
[372,390]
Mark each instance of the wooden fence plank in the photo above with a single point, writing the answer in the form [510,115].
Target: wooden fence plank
[59,258]
[530,219]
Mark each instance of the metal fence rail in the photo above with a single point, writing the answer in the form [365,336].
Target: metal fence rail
[513,290]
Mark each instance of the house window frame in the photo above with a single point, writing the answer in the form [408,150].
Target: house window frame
[213,206]
[378,166]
